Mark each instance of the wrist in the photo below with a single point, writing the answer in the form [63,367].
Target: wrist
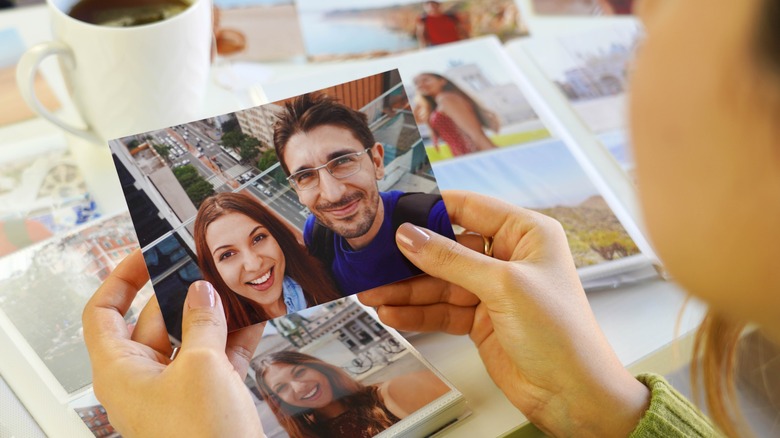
[605,408]
[616,408]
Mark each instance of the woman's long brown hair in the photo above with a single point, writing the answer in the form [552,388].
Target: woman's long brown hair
[299,423]
[317,285]
[427,104]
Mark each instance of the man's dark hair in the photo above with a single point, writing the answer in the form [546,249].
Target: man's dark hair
[769,35]
[310,111]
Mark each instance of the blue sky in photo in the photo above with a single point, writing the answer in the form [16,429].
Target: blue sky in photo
[11,47]
[541,174]
[617,144]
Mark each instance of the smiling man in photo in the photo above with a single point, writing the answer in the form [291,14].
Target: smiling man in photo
[333,162]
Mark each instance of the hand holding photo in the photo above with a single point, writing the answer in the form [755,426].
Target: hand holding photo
[283,206]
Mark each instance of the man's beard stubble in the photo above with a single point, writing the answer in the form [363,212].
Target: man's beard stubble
[358,224]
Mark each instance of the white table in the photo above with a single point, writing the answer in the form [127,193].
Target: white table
[639,320]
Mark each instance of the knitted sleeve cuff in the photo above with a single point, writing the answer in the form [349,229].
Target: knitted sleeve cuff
[670,415]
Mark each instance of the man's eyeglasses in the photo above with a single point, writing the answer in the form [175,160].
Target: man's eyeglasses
[340,167]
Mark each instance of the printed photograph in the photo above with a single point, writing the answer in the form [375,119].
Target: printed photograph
[465,100]
[544,176]
[360,28]
[244,28]
[591,69]
[334,371]
[44,288]
[282,206]
[583,7]
[12,108]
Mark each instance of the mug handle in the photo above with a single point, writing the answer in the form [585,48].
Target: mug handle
[27,69]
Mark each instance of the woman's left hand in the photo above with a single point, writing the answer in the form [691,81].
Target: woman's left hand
[200,393]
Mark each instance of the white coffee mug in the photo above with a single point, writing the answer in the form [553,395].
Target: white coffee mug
[125,80]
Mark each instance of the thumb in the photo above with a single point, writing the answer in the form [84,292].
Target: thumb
[447,259]
[203,322]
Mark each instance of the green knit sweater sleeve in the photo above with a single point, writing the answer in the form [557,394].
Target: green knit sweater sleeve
[670,415]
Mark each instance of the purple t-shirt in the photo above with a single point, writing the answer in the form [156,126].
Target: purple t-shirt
[380,262]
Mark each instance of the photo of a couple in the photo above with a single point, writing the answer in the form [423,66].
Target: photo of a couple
[316,226]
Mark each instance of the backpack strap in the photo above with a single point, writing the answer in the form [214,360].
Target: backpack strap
[322,244]
[414,207]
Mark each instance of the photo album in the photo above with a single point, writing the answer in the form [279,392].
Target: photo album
[289,208]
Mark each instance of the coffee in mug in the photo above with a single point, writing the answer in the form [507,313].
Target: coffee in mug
[126,13]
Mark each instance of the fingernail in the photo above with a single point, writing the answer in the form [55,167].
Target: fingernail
[202,295]
[412,237]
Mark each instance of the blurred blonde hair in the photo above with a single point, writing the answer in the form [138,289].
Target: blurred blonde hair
[715,346]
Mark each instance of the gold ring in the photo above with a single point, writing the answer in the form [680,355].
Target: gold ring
[487,241]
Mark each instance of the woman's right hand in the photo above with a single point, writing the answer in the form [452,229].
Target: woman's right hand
[200,393]
[528,316]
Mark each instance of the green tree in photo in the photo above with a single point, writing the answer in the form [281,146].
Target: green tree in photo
[246,146]
[163,150]
[231,125]
[267,159]
[232,139]
[199,191]
[196,187]
[249,149]
[187,175]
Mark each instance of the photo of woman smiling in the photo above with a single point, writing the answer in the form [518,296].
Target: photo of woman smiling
[313,398]
[254,261]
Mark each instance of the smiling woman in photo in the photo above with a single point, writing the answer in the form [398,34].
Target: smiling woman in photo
[254,261]
[311,397]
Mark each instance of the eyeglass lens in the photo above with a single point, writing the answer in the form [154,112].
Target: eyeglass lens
[340,167]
